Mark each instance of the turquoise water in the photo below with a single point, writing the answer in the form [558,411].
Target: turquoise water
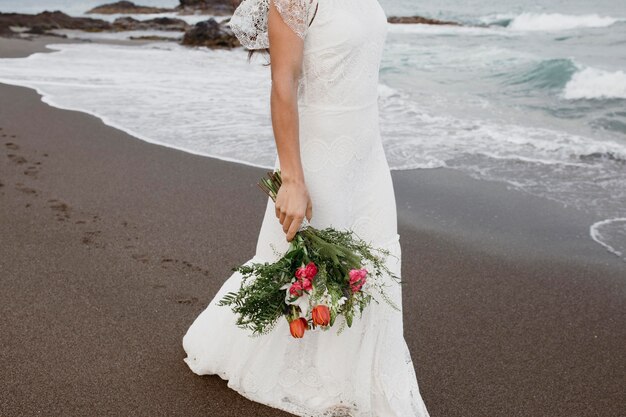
[529,93]
[538,99]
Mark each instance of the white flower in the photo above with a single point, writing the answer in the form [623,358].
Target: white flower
[303,303]
[342,301]
[288,294]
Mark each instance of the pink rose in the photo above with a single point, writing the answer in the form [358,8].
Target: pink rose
[308,271]
[311,270]
[296,289]
[306,284]
[357,279]
[301,272]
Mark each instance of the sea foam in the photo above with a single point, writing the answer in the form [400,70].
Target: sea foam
[121,35]
[185,98]
[593,83]
[611,233]
[558,22]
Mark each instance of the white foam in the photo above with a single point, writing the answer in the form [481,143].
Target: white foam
[215,103]
[593,83]
[422,29]
[412,134]
[558,22]
[121,35]
[600,235]
[161,92]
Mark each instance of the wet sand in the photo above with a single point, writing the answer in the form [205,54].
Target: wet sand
[110,247]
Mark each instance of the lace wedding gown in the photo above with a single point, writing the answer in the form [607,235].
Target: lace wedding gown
[367,369]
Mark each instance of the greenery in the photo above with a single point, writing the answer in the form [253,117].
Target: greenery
[264,293]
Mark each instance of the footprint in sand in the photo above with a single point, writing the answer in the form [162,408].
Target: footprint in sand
[166,262]
[31,171]
[89,239]
[17,159]
[141,258]
[62,209]
[12,146]
[26,190]
[187,300]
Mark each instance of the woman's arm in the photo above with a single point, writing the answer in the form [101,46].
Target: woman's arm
[293,202]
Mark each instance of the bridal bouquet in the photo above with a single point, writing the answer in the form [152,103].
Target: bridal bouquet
[325,273]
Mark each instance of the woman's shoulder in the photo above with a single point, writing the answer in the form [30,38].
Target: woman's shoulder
[298,14]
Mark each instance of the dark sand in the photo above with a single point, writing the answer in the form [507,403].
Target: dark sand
[110,247]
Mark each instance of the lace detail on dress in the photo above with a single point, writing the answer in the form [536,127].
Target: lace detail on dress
[296,14]
[249,21]
[365,371]
[335,78]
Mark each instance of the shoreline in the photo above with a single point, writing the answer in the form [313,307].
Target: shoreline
[20,48]
[117,244]
[23,47]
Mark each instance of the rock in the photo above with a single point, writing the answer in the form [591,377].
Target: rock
[159,23]
[420,20]
[214,7]
[127,7]
[211,34]
[45,21]
[38,30]
[5,30]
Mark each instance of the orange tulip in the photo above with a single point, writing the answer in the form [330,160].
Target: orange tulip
[297,327]
[321,315]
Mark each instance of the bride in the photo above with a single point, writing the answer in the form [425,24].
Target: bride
[325,60]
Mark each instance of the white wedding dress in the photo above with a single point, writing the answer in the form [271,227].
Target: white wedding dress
[367,369]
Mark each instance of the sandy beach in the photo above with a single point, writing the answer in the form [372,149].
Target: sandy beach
[111,246]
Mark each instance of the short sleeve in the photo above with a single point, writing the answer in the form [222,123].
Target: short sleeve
[296,14]
[249,21]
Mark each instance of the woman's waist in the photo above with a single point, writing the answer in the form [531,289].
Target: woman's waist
[347,95]
[330,107]
[325,122]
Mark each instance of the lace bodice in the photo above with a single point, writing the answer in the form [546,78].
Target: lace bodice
[342,53]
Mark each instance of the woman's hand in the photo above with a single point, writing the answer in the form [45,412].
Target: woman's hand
[293,203]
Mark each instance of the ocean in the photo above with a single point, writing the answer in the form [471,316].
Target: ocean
[536,99]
